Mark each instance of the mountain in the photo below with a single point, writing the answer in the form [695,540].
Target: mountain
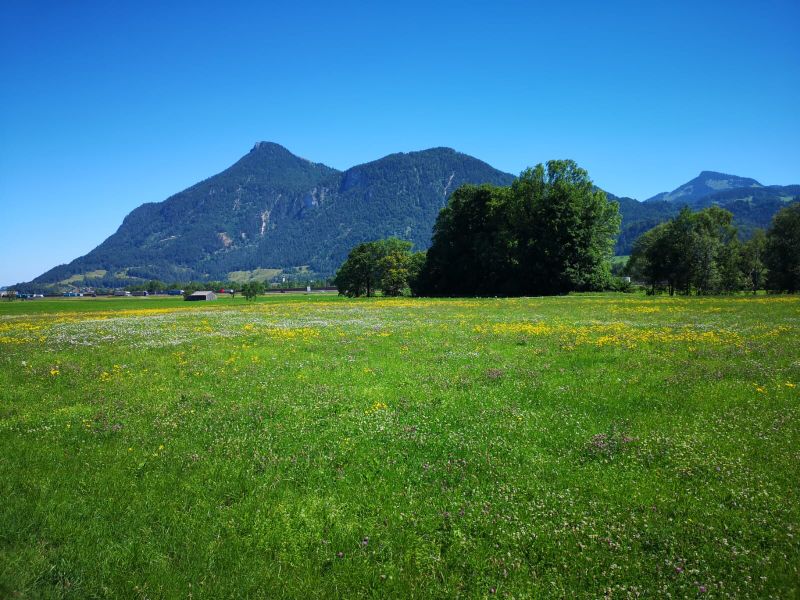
[751,207]
[400,195]
[708,182]
[751,203]
[638,217]
[274,210]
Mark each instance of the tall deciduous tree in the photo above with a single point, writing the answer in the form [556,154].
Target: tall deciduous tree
[649,257]
[565,229]
[782,254]
[252,289]
[551,232]
[394,273]
[472,251]
[381,264]
[712,250]
[694,251]
[752,260]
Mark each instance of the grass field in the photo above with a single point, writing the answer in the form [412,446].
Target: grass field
[316,447]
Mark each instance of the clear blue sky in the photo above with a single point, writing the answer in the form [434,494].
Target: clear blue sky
[106,105]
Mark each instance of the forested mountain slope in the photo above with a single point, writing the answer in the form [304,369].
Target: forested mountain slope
[273,209]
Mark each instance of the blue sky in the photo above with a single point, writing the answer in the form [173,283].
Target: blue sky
[107,105]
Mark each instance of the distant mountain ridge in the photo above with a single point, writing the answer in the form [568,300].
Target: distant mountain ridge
[751,203]
[705,184]
[272,210]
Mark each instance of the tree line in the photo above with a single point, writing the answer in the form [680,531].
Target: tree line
[701,252]
[386,265]
[551,232]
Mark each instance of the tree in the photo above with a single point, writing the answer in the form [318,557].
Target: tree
[415,264]
[694,251]
[154,285]
[551,232]
[712,252]
[752,260]
[782,250]
[648,260]
[356,275]
[566,229]
[472,250]
[729,267]
[679,253]
[252,289]
[394,273]
[381,264]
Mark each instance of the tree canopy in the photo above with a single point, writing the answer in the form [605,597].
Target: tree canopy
[550,232]
[782,250]
[701,252]
[386,265]
[252,289]
[694,251]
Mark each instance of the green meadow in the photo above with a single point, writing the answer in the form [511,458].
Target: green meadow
[319,447]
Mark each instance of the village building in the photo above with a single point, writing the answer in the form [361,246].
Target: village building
[202,295]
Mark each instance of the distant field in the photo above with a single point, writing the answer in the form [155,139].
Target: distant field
[317,447]
[255,275]
[620,260]
[85,276]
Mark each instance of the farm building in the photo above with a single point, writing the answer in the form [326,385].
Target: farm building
[202,296]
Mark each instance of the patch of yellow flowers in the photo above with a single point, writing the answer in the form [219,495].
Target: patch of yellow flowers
[376,407]
[613,334]
[302,333]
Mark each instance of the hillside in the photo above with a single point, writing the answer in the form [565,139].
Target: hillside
[638,217]
[752,207]
[400,194]
[236,208]
[272,209]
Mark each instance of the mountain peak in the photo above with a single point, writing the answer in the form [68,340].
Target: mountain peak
[437,150]
[268,147]
[718,175]
[705,184]
[269,153]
